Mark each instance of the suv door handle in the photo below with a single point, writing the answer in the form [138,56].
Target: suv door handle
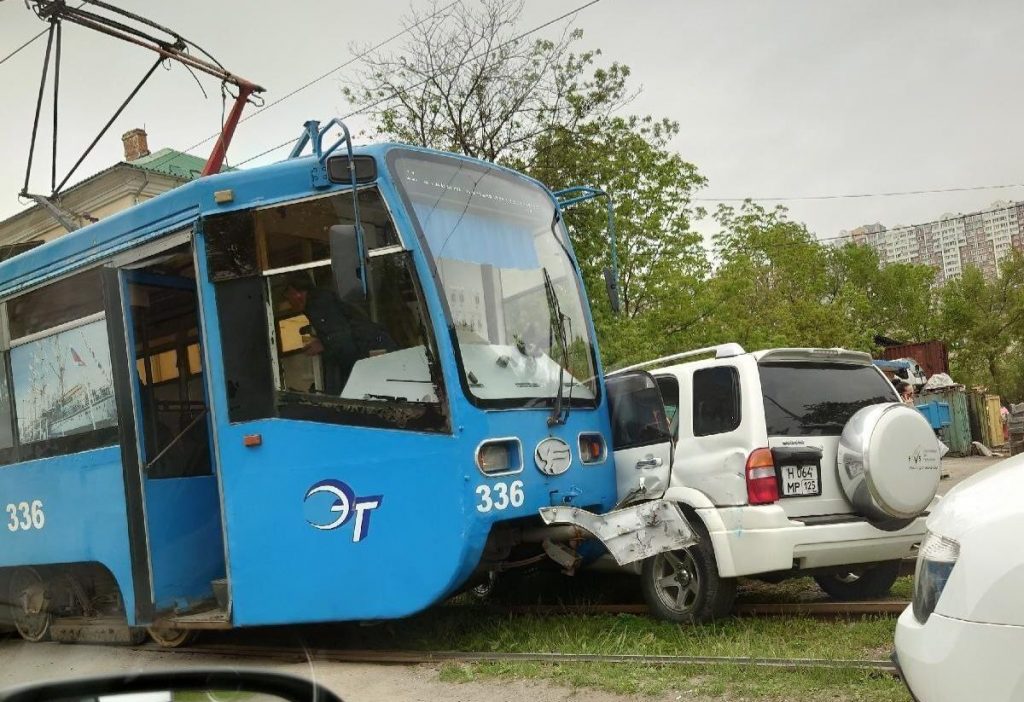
[649,462]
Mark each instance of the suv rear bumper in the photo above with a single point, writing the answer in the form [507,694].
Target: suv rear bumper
[754,540]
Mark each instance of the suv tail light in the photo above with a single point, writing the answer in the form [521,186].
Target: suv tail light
[762,485]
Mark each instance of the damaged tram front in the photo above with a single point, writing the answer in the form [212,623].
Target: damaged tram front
[334,388]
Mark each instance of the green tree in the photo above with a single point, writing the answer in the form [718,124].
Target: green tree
[662,264]
[982,322]
[465,81]
[894,300]
[772,285]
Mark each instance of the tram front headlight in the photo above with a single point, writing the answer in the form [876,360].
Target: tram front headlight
[499,456]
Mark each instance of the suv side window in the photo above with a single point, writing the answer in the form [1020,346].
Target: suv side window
[669,388]
[638,414]
[716,400]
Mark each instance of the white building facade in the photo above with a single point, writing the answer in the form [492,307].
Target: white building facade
[951,243]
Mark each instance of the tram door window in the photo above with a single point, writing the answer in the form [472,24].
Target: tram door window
[6,420]
[173,414]
[60,368]
[333,356]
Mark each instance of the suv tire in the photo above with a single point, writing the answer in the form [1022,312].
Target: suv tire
[860,584]
[698,594]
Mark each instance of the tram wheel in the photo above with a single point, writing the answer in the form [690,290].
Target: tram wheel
[170,637]
[30,605]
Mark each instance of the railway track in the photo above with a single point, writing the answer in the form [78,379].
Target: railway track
[805,609]
[299,654]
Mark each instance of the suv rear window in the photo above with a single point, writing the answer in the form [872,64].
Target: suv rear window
[817,399]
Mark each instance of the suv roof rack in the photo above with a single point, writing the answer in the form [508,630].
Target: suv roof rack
[720,351]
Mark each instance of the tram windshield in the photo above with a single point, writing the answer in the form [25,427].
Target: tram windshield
[513,296]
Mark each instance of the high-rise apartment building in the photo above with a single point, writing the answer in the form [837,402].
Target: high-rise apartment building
[952,242]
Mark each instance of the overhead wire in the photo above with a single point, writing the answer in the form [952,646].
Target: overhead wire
[845,196]
[519,37]
[16,51]
[319,78]
[429,78]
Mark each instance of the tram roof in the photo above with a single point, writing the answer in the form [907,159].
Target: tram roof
[175,208]
[276,182]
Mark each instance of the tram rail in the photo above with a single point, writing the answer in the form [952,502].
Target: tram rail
[806,609]
[299,654]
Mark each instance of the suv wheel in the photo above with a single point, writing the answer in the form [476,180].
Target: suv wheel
[861,584]
[684,586]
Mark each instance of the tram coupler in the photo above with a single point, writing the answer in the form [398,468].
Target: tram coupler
[631,533]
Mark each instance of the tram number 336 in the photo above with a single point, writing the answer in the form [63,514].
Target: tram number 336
[24,516]
[500,496]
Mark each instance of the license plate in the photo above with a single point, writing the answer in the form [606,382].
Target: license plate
[800,481]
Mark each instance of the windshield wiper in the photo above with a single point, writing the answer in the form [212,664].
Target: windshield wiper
[791,413]
[557,416]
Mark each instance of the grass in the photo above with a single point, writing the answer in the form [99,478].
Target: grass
[903,588]
[806,590]
[693,683]
[465,625]
[481,629]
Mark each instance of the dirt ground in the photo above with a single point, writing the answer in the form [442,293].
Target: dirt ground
[27,663]
[959,469]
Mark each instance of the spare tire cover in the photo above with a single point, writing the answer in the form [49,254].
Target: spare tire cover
[889,463]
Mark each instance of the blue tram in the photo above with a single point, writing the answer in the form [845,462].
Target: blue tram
[332,388]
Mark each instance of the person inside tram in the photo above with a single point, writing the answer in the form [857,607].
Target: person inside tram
[343,333]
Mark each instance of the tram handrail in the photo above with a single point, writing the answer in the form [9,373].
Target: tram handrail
[313,134]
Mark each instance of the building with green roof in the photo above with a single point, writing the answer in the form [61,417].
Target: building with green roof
[141,175]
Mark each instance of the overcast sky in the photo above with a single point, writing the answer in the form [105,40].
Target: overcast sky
[774,98]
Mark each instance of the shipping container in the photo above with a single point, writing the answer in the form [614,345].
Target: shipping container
[957,436]
[986,418]
[930,355]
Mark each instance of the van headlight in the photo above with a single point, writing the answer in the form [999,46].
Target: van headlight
[935,562]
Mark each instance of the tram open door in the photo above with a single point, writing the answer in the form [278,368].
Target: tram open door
[174,508]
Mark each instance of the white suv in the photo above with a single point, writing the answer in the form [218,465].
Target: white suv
[787,462]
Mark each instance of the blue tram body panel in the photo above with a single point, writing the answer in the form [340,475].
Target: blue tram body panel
[81,497]
[320,522]
[183,515]
[292,557]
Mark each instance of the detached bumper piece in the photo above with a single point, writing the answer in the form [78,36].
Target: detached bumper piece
[632,533]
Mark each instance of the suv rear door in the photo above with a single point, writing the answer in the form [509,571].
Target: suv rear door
[806,405]
[717,423]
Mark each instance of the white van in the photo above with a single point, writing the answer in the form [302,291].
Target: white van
[962,637]
[788,462]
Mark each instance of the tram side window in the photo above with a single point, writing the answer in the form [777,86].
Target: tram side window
[335,355]
[243,244]
[60,368]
